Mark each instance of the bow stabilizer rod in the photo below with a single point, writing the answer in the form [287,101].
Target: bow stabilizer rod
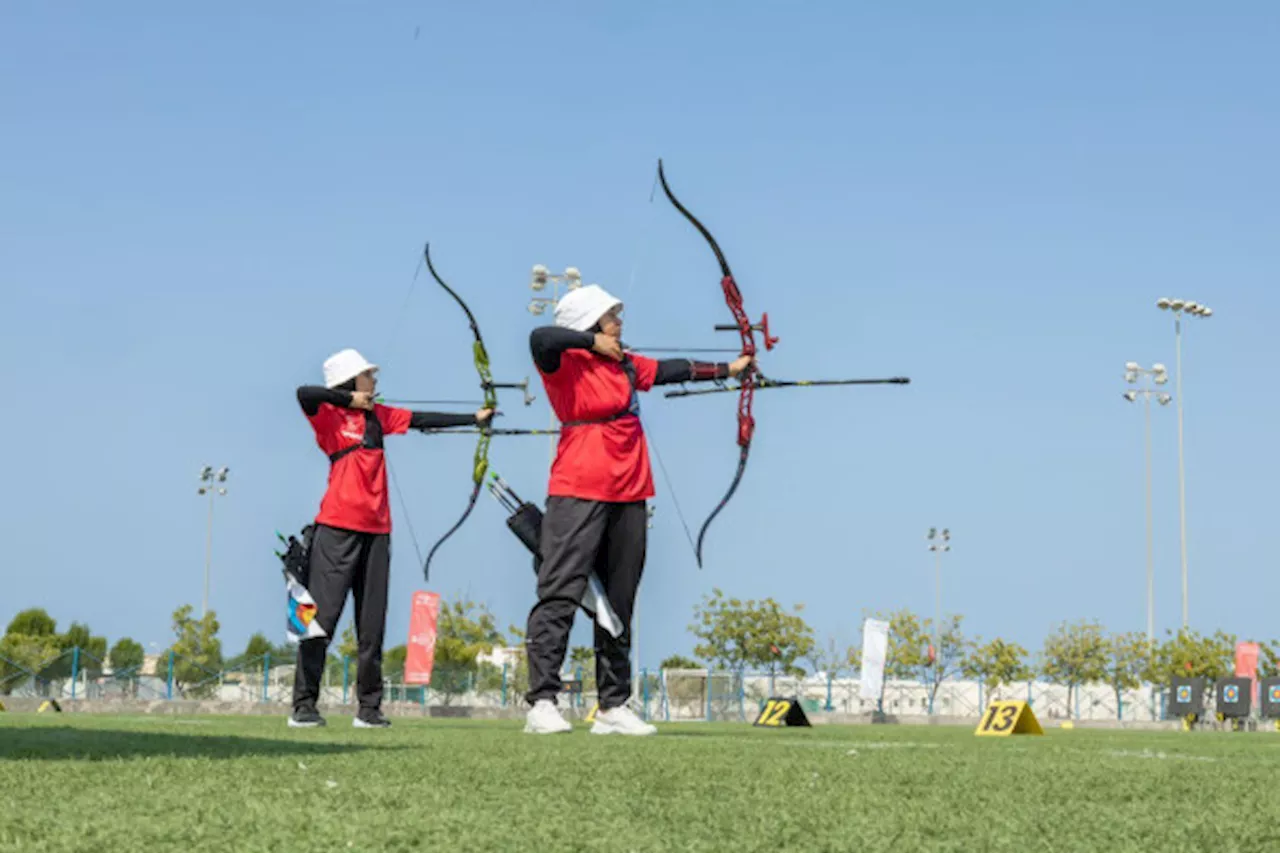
[763,384]
[490,431]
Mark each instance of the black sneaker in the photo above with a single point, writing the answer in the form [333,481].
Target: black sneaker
[371,720]
[306,718]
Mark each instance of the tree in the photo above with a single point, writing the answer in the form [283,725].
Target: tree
[582,656]
[32,622]
[393,661]
[126,656]
[348,644]
[254,650]
[464,631]
[125,659]
[829,660]
[680,689]
[854,659]
[1074,655]
[23,656]
[911,652]
[737,634]
[259,650]
[996,663]
[93,652]
[1269,659]
[904,629]
[491,679]
[1189,654]
[1128,660]
[197,652]
[830,663]
[30,648]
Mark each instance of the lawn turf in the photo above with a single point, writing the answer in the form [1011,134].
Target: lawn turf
[71,782]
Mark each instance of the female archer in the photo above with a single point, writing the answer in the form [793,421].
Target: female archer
[351,549]
[596,516]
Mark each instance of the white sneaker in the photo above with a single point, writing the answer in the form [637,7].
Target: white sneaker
[544,719]
[621,721]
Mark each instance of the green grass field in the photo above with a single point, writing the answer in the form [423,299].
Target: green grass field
[75,782]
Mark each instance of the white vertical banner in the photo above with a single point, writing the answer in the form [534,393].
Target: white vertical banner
[875,647]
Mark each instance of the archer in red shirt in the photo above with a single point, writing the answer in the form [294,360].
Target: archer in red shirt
[596,517]
[602,457]
[350,549]
[356,497]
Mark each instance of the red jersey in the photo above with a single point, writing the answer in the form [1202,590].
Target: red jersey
[356,498]
[599,461]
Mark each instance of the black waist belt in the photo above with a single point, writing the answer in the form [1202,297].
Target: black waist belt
[614,417]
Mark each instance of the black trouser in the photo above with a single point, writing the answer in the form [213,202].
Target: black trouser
[342,561]
[577,537]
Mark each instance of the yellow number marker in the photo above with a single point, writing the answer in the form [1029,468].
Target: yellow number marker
[1009,718]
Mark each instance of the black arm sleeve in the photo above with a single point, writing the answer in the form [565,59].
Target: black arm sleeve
[547,342]
[684,370]
[435,420]
[310,397]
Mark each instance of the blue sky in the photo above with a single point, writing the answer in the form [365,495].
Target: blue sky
[199,205]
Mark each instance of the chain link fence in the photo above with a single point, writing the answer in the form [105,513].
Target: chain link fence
[666,695]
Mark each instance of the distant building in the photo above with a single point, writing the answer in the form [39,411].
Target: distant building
[502,656]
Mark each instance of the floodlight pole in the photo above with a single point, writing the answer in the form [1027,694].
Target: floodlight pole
[1194,309]
[208,557]
[1134,375]
[939,542]
[937,603]
[210,480]
[1182,467]
[1151,560]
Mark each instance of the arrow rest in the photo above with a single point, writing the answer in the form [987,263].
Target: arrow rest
[762,327]
[519,386]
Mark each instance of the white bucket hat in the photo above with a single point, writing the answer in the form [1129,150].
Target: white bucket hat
[582,307]
[344,366]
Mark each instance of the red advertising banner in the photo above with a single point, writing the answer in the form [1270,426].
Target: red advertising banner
[1247,664]
[422,638]
[1247,660]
